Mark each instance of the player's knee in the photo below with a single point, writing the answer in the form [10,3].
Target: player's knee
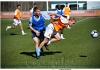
[36,42]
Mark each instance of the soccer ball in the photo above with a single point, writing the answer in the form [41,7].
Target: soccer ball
[94,33]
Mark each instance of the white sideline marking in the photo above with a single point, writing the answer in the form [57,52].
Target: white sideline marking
[82,20]
[86,19]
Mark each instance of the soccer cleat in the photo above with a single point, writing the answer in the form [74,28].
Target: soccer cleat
[8,27]
[37,53]
[62,38]
[68,27]
[24,33]
[46,46]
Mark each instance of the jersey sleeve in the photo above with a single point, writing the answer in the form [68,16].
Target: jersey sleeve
[15,13]
[31,10]
[56,11]
[45,15]
[30,22]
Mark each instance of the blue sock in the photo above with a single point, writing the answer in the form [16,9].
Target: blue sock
[38,51]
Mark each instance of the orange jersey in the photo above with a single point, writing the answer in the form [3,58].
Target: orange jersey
[58,24]
[17,14]
[66,11]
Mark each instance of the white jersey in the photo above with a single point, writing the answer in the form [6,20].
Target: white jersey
[32,10]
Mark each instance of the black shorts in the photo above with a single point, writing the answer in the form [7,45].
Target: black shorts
[41,35]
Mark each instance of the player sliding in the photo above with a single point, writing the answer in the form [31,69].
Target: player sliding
[17,20]
[36,24]
[53,28]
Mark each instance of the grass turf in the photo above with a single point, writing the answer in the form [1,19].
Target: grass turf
[78,50]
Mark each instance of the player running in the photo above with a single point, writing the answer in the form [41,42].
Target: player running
[17,21]
[32,9]
[52,29]
[36,24]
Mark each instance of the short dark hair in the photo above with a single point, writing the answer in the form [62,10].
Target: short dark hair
[18,5]
[66,3]
[34,4]
[35,8]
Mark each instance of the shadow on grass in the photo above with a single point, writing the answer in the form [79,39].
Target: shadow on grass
[42,54]
[14,34]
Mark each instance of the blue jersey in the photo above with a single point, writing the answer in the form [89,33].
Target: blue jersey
[59,12]
[37,23]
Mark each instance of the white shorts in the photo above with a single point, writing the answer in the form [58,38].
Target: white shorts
[49,31]
[16,22]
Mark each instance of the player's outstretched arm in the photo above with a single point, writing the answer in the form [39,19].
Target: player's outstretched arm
[51,14]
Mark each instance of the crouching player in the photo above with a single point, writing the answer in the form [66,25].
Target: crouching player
[52,29]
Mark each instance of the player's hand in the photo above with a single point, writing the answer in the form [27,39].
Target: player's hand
[50,13]
[37,33]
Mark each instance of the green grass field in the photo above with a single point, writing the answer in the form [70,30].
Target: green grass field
[78,50]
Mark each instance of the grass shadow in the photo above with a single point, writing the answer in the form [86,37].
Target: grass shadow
[28,53]
[42,54]
[14,34]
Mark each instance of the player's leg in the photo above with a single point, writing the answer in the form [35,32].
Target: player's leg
[68,19]
[35,39]
[57,38]
[41,37]
[43,42]
[21,27]
[8,27]
[47,35]
[61,32]
[15,23]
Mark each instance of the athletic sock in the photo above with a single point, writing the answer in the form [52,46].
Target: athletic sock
[38,51]
[48,43]
[22,31]
[9,26]
[61,35]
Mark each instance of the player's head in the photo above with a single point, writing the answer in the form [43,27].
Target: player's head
[71,21]
[18,6]
[58,7]
[34,5]
[37,11]
[66,4]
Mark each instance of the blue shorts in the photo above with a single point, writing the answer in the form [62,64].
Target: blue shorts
[41,35]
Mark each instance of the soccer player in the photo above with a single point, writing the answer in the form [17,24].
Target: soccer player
[17,21]
[52,29]
[66,12]
[32,10]
[36,24]
[60,12]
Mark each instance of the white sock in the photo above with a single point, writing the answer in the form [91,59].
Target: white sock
[61,35]
[9,26]
[22,31]
[68,27]
[48,43]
